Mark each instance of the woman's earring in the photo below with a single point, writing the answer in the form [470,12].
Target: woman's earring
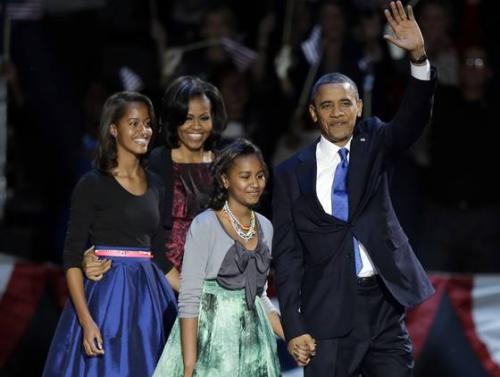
[112,131]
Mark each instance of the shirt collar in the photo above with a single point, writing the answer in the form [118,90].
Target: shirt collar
[327,149]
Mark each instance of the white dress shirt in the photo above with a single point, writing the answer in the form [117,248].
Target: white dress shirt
[327,159]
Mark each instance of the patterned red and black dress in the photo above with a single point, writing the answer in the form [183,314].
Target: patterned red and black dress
[192,187]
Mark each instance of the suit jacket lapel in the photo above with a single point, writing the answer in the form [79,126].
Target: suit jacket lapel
[356,176]
[306,170]
[306,176]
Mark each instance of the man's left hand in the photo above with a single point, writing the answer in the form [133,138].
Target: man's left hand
[407,34]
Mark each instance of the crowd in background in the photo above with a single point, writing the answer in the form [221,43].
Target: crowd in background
[262,55]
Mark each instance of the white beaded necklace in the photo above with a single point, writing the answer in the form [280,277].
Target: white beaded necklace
[238,227]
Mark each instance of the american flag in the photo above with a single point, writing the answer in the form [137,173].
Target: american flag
[311,46]
[130,80]
[242,56]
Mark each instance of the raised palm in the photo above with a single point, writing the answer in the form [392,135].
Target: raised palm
[407,34]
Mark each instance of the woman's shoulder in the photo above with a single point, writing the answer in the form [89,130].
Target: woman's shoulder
[160,162]
[89,183]
[205,218]
[159,153]
[266,226]
[91,178]
[203,225]
[154,178]
[264,221]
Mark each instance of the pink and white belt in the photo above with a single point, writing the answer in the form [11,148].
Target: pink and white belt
[125,252]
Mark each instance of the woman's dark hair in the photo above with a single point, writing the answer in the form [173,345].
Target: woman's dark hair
[113,110]
[175,106]
[223,163]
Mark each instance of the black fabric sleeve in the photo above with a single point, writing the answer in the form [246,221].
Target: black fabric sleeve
[82,215]
[160,163]
[158,239]
[413,115]
[288,259]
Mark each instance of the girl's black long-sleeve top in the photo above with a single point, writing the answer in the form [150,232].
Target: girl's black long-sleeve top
[104,213]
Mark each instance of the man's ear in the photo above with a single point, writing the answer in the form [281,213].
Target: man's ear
[359,104]
[312,113]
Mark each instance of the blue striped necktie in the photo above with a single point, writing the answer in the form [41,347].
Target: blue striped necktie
[340,200]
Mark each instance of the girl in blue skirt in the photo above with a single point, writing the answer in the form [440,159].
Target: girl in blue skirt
[118,325]
[226,320]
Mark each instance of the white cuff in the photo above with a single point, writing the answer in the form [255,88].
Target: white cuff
[421,72]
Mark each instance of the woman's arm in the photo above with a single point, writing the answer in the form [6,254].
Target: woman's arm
[174,279]
[158,239]
[189,334]
[275,321]
[82,216]
[92,340]
[272,314]
[194,264]
[94,267]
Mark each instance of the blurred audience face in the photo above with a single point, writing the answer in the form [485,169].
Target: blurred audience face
[93,100]
[218,23]
[332,21]
[475,72]
[371,27]
[434,21]
[196,129]
[335,108]
[234,89]
[302,20]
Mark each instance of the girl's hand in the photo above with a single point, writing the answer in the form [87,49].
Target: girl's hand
[92,340]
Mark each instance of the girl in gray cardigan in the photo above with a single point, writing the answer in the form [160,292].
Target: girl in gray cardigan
[226,321]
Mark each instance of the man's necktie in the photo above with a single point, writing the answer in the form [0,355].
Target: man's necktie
[340,202]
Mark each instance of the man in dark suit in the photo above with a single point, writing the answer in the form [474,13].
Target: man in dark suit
[345,271]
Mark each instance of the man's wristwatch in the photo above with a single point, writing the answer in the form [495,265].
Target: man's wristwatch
[420,60]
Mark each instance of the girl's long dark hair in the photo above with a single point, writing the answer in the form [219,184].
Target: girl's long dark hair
[223,163]
[113,110]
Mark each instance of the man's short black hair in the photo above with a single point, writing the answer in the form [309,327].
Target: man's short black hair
[332,78]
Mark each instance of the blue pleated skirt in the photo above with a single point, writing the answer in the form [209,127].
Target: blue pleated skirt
[134,308]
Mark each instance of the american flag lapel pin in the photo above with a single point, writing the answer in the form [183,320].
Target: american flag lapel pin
[362,139]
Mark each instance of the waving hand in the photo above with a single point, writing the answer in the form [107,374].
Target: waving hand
[407,34]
